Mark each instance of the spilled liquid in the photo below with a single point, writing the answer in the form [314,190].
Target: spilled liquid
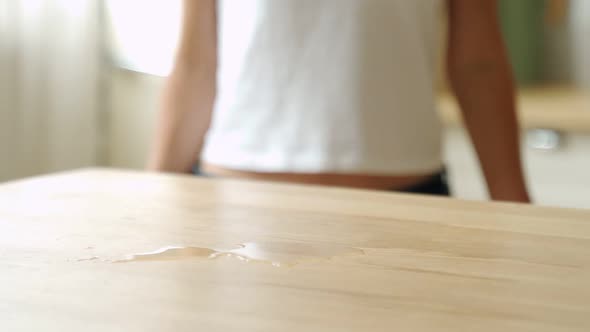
[279,254]
[93,258]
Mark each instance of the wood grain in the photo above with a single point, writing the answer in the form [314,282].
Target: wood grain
[431,264]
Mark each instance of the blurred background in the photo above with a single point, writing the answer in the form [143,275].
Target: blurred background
[80,83]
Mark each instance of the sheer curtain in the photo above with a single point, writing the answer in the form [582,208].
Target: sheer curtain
[50,61]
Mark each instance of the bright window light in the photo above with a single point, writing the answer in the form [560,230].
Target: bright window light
[144,34]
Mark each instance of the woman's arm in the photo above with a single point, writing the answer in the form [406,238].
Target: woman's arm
[481,78]
[189,94]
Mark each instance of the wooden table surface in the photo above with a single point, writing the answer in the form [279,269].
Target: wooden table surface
[355,260]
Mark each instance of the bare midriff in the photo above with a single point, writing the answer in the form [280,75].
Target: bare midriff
[363,181]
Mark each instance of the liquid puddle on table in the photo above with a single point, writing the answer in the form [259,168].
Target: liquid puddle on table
[278,254]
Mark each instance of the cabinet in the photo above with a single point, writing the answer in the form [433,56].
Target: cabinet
[556,177]
[557,162]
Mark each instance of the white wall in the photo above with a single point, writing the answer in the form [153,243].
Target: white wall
[132,116]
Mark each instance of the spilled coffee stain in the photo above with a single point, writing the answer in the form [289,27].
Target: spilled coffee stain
[278,254]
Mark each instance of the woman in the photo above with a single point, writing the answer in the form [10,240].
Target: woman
[336,92]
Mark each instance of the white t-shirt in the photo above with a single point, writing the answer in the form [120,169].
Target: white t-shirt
[327,86]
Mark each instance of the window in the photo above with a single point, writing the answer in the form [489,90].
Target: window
[143,34]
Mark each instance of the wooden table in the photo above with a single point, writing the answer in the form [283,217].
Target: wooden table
[362,261]
[561,108]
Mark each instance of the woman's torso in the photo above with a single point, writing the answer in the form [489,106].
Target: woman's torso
[326,91]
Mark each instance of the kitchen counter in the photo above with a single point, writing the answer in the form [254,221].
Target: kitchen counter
[106,250]
[552,107]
